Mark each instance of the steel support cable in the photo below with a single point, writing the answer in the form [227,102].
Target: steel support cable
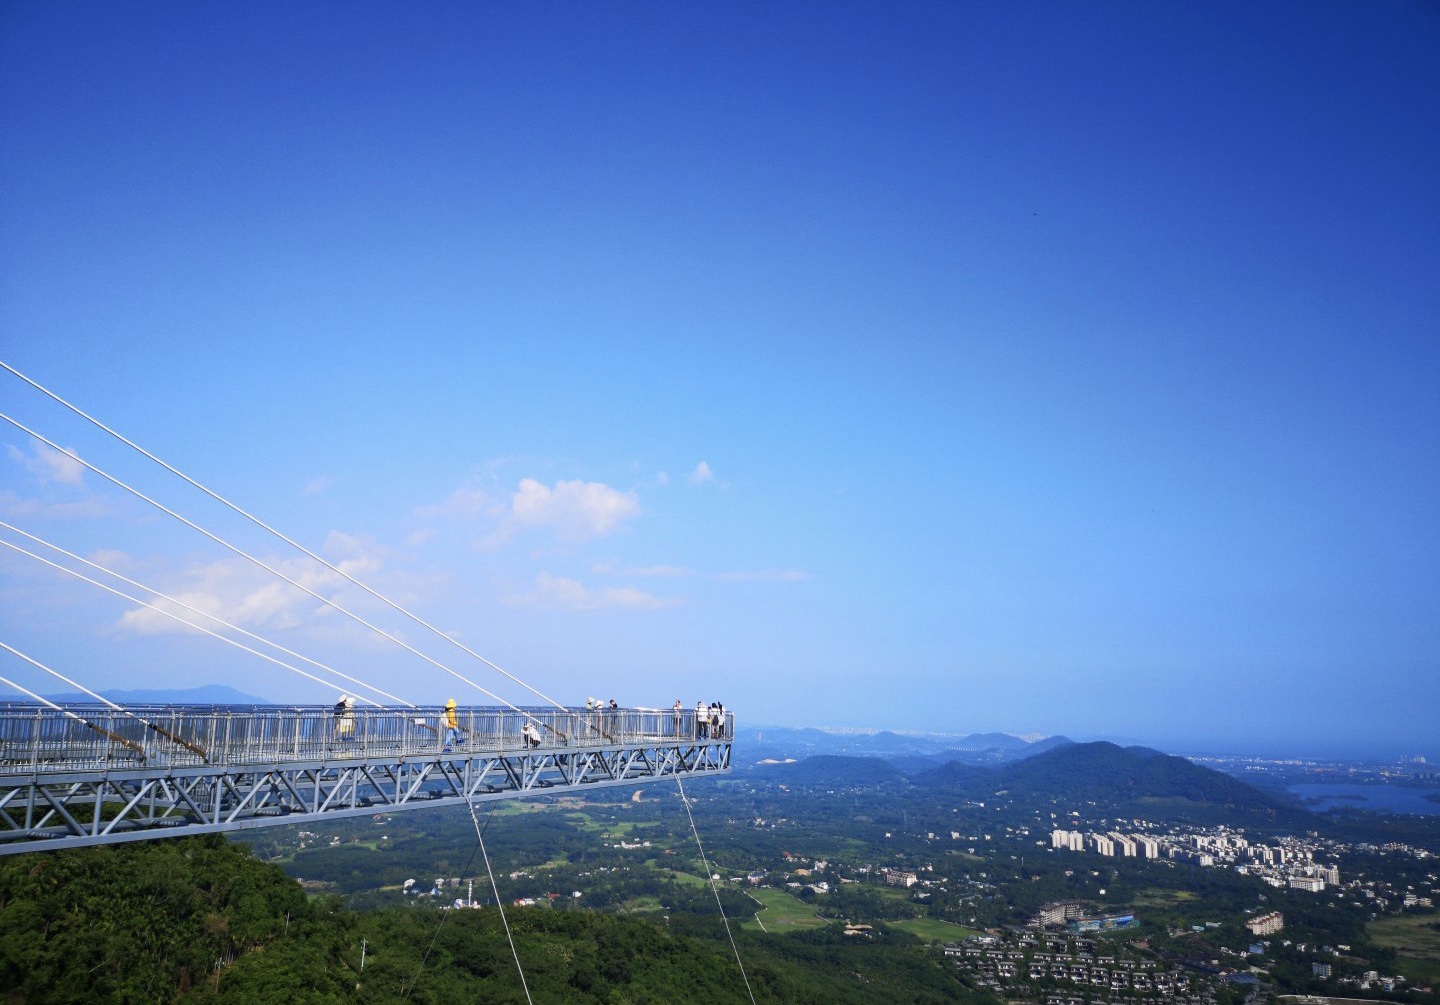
[710,878]
[61,677]
[163,596]
[179,741]
[199,628]
[79,718]
[264,526]
[406,989]
[480,839]
[251,558]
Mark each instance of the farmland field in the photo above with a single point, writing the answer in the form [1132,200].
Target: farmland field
[1416,941]
[781,912]
[934,930]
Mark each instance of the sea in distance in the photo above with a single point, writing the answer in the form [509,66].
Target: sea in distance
[1325,796]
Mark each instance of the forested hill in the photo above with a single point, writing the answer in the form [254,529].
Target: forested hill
[836,769]
[1103,771]
[1130,780]
[198,921]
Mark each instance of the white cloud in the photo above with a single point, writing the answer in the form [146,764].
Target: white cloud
[765,576]
[465,503]
[317,485]
[113,558]
[339,544]
[574,510]
[571,594]
[243,594]
[50,466]
[662,479]
[224,591]
[12,504]
[659,571]
[701,474]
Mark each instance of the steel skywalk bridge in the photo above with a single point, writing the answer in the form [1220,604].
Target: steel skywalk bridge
[90,774]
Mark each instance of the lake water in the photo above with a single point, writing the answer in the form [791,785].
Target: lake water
[1378,798]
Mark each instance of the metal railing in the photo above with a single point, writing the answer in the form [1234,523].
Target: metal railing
[36,739]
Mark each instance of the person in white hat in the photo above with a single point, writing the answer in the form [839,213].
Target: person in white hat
[345,717]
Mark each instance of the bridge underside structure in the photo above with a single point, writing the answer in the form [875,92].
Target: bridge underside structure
[88,775]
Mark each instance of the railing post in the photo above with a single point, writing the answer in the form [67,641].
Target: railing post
[35,742]
[99,747]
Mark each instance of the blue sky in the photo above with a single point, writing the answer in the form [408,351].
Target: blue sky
[1037,367]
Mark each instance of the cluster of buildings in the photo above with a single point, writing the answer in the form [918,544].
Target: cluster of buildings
[1071,914]
[1289,863]
[1266,924]
[899,877]
[1370,980]
[1297,863]
[411,888]
[1073,974]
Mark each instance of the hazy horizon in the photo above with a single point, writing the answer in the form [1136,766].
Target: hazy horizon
[1377,749]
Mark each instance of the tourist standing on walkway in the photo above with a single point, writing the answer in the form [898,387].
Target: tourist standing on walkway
[345,717]
[450,722]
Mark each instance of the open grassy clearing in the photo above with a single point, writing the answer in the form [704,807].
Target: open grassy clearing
[1155,897]
[781,912]
[934,930]
[689,879]
[622,829]
[1416,941]
[964,856]
[1421,971]
[1414,935]
[894,894]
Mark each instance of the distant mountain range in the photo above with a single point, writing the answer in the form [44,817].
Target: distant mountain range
[907,750]
[1124,781]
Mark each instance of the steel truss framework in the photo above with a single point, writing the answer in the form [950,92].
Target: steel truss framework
[70,805]
[86,809]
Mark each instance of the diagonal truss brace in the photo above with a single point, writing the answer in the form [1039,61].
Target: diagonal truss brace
[103,807]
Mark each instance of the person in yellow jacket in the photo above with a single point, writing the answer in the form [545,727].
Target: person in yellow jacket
[450,722]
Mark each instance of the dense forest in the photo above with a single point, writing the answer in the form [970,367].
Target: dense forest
[200,920]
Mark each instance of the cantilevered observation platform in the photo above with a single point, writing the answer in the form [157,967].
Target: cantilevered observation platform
[88,774]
